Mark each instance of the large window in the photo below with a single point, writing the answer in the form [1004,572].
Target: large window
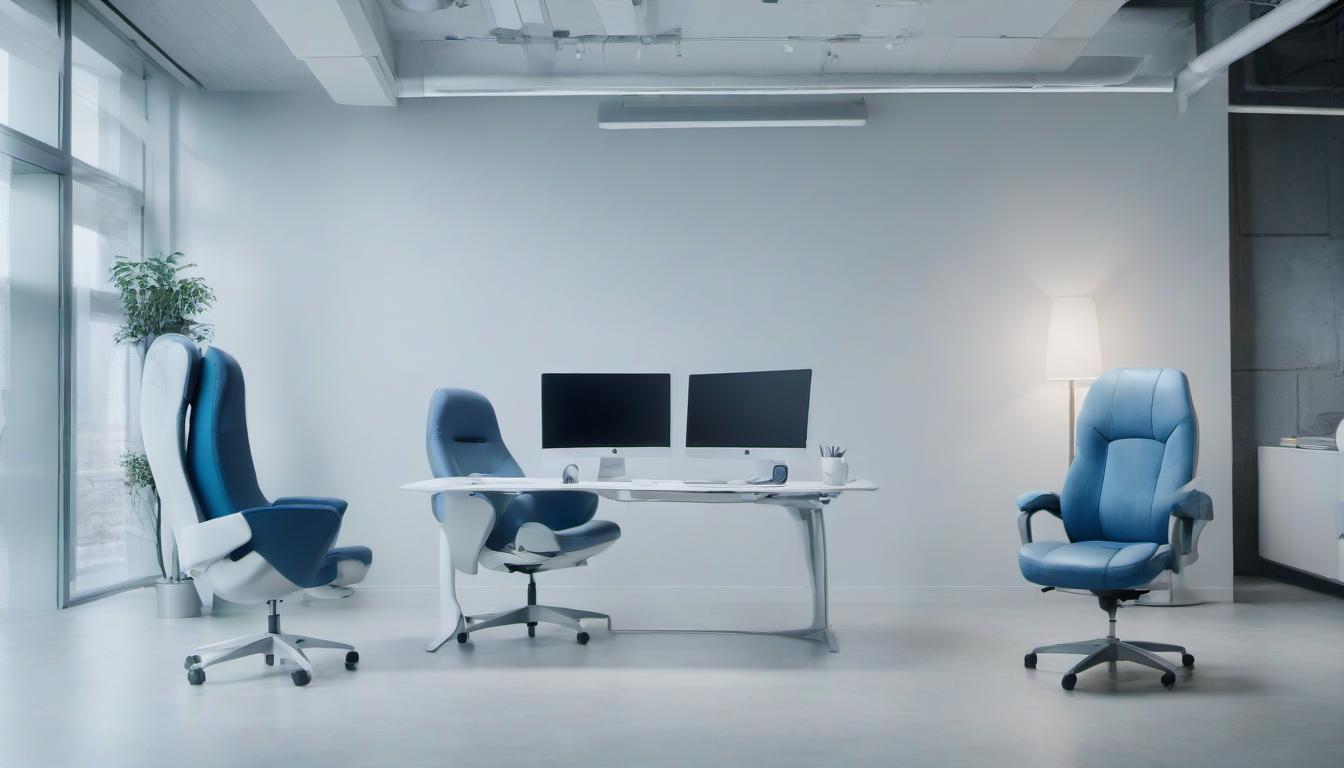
[30,69]
[109,542]
[74,191]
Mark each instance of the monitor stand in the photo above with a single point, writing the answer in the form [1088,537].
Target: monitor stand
[611,468]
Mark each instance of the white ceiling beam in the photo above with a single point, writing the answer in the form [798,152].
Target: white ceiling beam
[345,44]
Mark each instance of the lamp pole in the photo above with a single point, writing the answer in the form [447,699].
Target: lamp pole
[1073,417]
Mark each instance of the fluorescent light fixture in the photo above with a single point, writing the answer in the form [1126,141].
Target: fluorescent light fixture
[614,115]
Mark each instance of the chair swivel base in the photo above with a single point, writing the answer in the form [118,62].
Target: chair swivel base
[531,615]
[274,645]
[1111,649]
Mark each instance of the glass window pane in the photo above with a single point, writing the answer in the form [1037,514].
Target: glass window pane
[30,68]
[113,540]
[107,109]
[29,385]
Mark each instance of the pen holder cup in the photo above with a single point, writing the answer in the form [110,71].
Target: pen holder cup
[834,470]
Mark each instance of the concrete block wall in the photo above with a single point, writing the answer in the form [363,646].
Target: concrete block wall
[1287,295]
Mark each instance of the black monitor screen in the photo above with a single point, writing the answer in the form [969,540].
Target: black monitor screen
[766,409]
[606,410]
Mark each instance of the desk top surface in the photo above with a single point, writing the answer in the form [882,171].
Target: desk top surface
[526,484]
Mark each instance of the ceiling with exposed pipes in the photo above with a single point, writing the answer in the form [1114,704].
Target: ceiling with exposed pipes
[229,45]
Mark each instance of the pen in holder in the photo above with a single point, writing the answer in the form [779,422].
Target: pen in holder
[834,468]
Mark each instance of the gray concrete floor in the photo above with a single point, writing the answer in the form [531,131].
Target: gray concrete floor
[924,677]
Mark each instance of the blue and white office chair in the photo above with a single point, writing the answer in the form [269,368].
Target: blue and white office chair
[1138,447]
[518,533]
[243,547]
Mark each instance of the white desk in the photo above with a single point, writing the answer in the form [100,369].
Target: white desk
[804,501]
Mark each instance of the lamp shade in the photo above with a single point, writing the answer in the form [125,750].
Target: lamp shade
[1074,348]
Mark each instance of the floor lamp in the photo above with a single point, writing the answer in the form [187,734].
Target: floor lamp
[1073,352]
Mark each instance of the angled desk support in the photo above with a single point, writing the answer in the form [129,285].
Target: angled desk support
[469,519]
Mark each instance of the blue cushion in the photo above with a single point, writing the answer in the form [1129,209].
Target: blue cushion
[462,438]
[1138,442]
[590,534]
[334,558]
[557,510]
[1093,564]
[219,459]
[330,501]
[362,554]
[295,539]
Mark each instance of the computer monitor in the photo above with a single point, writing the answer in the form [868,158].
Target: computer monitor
[758,415]
[612,415]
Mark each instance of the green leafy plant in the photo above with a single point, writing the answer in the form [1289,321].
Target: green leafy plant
[140,479]
[157,299]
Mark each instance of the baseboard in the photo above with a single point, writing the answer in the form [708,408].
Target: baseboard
[1203,594]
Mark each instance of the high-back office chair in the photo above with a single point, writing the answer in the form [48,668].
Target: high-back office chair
[1138,446]
[245,548]
[527,532]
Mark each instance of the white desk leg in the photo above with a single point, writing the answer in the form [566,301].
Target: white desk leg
[814,540]
[450,611]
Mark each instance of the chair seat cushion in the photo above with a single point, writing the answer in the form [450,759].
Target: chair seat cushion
[362,554]
[589,534]
[1093,564]
[331,564]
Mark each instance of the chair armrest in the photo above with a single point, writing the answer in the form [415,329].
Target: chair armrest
[1039,501]
[1029,504]
[1190,505]
[294,538]
[211,540]
[1190,511]
[326,501]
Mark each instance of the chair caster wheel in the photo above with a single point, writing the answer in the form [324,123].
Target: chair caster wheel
[582,638]
[192,659]
[531,630]
[300,677]
[1069,681]
[461,638]
[1187,661]
[1029,661]
[1168,679]
[351,659]
[196,676]
[270,659]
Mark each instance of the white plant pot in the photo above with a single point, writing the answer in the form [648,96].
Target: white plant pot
[177,599]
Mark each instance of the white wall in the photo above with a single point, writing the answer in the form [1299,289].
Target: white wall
[364,257]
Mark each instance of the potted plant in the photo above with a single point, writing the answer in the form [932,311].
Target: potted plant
[156,298]
[177,597]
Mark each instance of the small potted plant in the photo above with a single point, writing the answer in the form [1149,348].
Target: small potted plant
[156,298]
[176,594]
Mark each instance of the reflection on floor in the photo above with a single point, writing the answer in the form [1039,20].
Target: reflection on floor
[924,677]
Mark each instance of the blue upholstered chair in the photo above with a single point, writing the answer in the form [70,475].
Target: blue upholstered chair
[527,532]
[243,547]
[1127,507]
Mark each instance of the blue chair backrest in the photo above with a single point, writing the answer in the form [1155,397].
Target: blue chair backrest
[462,438]
[1138,442]
[219,457]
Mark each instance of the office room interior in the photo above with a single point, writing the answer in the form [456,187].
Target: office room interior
[671,382]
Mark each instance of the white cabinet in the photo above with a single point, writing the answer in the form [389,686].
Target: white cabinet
[1300,509]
